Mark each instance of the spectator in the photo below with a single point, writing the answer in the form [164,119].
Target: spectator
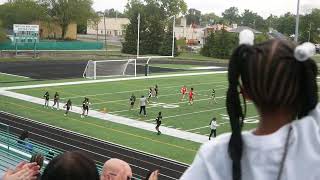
[281,81]
[116,169]
[23,136]
[37,158]
[73,165]
[153,175]
[23,171]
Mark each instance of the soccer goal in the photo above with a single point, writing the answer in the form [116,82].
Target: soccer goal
[110,68]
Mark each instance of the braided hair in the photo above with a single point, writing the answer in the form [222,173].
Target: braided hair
[273,79]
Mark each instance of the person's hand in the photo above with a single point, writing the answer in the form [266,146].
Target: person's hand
[23,171]
[154,175]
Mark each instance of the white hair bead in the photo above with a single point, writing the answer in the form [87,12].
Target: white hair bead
[304,51]
[246,37]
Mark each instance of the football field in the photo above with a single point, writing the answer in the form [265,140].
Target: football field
[113,98]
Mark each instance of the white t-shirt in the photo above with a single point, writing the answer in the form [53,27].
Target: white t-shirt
[213,125]
[262,154]
[143,101]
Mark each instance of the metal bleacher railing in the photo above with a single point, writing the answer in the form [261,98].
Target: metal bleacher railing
[13,150]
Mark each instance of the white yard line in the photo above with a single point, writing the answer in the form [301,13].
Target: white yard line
[188,130]
[131,91]
[127,100]
[108,80]
[181,102]
[116,119]
[14,75]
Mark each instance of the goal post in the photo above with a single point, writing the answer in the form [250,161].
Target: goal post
[110,68]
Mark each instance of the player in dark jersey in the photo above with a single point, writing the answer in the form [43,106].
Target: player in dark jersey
[68,106]
[46,99]
[56,100]
[213,96]
[156,91]
[132,101]
[158,122]
[85,107]
[150,94]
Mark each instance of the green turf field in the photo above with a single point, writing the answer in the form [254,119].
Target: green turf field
[114,97]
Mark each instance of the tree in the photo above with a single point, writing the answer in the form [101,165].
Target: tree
[209,19]
[154,16]
[310,27]
[193,16]
[170,7]
[231,15]
[112,13]
[253,20]
[67,11]
[2,33]
[166,46]
[220,44]
[286,24]
[22,12]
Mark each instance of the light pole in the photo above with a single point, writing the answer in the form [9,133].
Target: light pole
[296,37]
[105,30]
[173,34]
[138,40]
[309,38]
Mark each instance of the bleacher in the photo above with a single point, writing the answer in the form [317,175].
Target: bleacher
[12,152]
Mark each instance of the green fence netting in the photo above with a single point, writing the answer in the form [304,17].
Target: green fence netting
[53,45]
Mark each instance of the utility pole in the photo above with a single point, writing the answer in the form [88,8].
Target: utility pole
[105,30]
[173,34]
[138,40]
[296,37]
[309,33]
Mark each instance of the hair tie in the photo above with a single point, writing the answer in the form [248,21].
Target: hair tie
[304,51]
[246,37]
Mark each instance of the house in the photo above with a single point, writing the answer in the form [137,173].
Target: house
[212,29]
[111,26]
[238,29]
[192,34]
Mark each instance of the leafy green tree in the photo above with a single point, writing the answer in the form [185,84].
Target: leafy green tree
[286,24]
[207,48]
[2,33]
[166,46]
[209,19]
[154,15]
[220,44]
[67,11]
[310,27]
[193,16]
[253,20]
[261,38]
[21,12]
[231,15]
[112,13]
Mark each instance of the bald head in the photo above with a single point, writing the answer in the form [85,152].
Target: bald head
[116,169]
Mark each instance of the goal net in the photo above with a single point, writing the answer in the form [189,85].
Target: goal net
[110,68]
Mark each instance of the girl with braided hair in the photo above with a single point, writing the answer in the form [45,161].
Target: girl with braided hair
[281,81]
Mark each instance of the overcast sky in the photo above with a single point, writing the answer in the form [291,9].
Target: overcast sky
[262,7]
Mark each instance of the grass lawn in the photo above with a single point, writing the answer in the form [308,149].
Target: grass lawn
[114,97]
[163,145]
[7,79]
[175,66]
